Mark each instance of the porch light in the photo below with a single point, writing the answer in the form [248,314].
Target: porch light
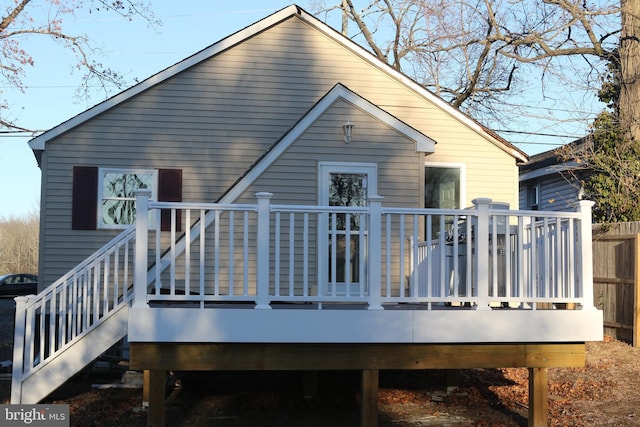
[348,128]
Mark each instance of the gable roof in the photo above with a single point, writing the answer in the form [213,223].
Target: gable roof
[422,142]
[39,142]
[552,161]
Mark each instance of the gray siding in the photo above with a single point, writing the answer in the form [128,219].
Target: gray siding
[556,193]
[217,118]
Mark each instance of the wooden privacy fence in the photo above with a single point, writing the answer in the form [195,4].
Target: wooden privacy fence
[616,277]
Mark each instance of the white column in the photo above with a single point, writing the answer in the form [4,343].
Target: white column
[262,248]
[374,255]
[142,244]
[482,252]
[586,267]
[18,349]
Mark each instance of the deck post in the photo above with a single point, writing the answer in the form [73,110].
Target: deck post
[586,267]
[538,397]
[369,395]
[157,391]
[141,253]
[374,252]
[262,252]
[482,252]
[18,349]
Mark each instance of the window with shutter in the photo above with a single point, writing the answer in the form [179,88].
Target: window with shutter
[105,197]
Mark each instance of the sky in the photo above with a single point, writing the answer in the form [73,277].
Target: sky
[132,48]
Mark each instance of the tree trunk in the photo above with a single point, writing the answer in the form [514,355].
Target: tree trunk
[630,69]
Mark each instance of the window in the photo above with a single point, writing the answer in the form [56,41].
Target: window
[533,197]
[443,189]
[105,198]
[117,197]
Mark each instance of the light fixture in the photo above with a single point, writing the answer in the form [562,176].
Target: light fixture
[348,128]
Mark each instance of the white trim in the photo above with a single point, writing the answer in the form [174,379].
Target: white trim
[337,92]
[463,176]
[551,170]
[324,170]
[101,173]
[364,326]
[39,142]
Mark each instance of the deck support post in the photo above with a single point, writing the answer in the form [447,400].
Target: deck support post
[310,384]
[157,386]
[369,395]
[538,397]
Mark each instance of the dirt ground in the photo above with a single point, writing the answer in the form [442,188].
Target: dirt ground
[606,392]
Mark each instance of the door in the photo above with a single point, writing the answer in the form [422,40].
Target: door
[342,247]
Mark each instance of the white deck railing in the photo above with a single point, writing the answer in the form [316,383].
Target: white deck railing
[47,324]
[265,253]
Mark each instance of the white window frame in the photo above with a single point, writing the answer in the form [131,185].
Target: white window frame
[463,178]
[324,170]
[101,174]
[327,168]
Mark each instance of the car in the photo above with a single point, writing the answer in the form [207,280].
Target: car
[18,284]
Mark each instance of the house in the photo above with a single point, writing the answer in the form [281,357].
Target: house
[548,181]
[284,200]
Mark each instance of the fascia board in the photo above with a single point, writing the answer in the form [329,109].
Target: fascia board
[551,170]
[383,66]
[39,142]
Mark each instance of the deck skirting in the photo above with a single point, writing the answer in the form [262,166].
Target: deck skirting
[241,325]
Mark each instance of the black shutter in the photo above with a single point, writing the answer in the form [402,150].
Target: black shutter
[84,204]
[170,190]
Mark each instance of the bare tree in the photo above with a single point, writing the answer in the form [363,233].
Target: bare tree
[481,54]
[629,70]
[23,19]
[19,239]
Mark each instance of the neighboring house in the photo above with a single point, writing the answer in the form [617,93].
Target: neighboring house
[549,182]
[287,172]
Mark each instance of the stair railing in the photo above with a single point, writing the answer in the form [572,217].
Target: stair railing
[49,323]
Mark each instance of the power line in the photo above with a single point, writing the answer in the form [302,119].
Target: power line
[554,135]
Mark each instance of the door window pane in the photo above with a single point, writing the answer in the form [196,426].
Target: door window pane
[350,190]
[441,191]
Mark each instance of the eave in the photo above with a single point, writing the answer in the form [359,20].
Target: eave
[39,143]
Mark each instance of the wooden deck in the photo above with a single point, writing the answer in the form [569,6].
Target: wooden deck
[251,287]
[158,358]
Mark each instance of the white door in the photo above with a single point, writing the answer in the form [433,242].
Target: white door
[342,249]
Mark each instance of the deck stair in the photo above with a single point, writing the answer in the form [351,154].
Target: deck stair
[73,321]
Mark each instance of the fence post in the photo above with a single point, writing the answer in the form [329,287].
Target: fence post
[636,292]
[482,252]
[141,252]
[18,349]
[262,250]
[375,252]
[586,267]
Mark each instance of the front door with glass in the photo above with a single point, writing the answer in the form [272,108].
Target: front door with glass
[342,249]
